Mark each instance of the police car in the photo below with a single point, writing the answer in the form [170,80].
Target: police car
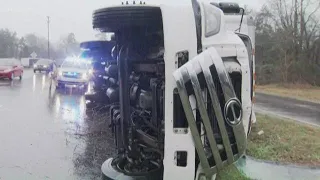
[74,72]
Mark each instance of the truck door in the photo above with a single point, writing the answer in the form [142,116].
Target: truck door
[219,111]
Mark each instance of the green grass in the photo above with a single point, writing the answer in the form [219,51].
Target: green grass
[284,141]
[231,173]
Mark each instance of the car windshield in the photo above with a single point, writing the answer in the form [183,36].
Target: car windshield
[71,64]
[43,62]
[6,62]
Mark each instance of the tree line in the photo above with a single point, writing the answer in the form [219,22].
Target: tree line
[12,46]
[288,42]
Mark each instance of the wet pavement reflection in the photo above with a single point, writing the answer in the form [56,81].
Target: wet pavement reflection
[49,134]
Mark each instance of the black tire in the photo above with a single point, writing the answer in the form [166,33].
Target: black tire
[104,19]
[109,172]
[34,71]
[12,77]
[20,77]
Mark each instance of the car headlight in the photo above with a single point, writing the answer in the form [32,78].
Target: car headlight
[84,76]
[35,66]
[90,71]
[7,70]
[45,66]
[60,73]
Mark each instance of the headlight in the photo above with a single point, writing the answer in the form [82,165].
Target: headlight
[45,66]
[90,71]
[60,73]
[84,76]
[212,20]
[7,70]
[35,66]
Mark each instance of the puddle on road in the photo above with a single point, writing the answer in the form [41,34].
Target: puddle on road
[60,138]
[259,170]
[87,130]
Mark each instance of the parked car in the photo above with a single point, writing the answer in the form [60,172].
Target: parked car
[10,68]
[43,65]
[73,72]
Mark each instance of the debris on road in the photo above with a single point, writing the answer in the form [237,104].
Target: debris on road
[260,132]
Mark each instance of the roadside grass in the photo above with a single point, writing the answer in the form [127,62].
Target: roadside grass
[231,173]
[296,91]
[284,141]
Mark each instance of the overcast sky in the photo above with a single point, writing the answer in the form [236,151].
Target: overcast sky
[29,16]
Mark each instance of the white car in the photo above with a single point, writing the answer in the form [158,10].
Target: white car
[73,73]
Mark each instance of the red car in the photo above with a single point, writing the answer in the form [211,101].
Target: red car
[10,68]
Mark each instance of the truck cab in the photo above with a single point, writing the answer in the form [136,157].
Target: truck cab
[184,84]
[246,31]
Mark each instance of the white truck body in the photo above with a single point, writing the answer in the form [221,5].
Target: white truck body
[25,62]
[220,47]
[247,29]
[225,43]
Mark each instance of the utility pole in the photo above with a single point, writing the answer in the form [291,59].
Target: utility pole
[48,22]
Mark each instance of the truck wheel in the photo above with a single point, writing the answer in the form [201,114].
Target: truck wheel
[110,172]
[104,18]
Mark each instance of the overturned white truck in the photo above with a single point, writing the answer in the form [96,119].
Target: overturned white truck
[185,89]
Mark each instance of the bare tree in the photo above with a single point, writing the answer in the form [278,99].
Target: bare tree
[288,30]
[69,45]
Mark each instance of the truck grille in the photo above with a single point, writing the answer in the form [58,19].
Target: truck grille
[74,75]
[220,111]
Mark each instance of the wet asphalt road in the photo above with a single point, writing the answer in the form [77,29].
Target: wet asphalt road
[48,134]
[302,111]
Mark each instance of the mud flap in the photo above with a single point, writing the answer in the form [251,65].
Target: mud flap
[191,79]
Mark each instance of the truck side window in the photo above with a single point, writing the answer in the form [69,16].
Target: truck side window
[212,18]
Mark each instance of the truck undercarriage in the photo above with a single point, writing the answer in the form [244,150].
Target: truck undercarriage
[206,100]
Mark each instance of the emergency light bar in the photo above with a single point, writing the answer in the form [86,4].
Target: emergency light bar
[78,60]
